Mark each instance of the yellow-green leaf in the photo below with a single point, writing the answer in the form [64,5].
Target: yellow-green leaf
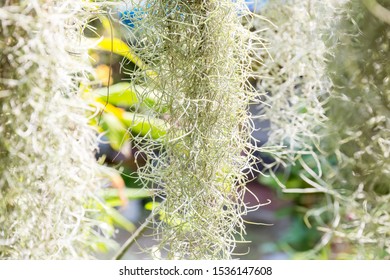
[144,125]
[116,131]
[128,95]
[119,47]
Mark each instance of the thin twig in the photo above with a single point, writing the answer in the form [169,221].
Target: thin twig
[126,246]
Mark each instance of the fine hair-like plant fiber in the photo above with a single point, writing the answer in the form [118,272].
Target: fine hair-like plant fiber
[201,56]
[48,173]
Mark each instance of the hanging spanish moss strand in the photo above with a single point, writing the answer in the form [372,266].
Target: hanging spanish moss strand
[199,54]
[295,76]
[330,84]
[360,131]
[48,173]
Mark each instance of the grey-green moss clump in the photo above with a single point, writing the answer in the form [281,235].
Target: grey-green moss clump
[329,81]
[201,54]
[359,128]
[48,173]
[294,75]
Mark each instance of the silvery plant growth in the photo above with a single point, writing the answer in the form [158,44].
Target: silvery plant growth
[328,77]
[201,54]
[48,172]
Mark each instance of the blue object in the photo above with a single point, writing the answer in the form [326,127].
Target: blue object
[129,17]
[256,5]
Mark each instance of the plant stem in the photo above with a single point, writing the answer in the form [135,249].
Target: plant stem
[126,246]
[377,10]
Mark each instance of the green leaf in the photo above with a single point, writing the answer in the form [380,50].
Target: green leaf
[116,131]
[152,205]
[119,220]
[119,47]
[129,193]
[143,125]
[129,95]
[120,94]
